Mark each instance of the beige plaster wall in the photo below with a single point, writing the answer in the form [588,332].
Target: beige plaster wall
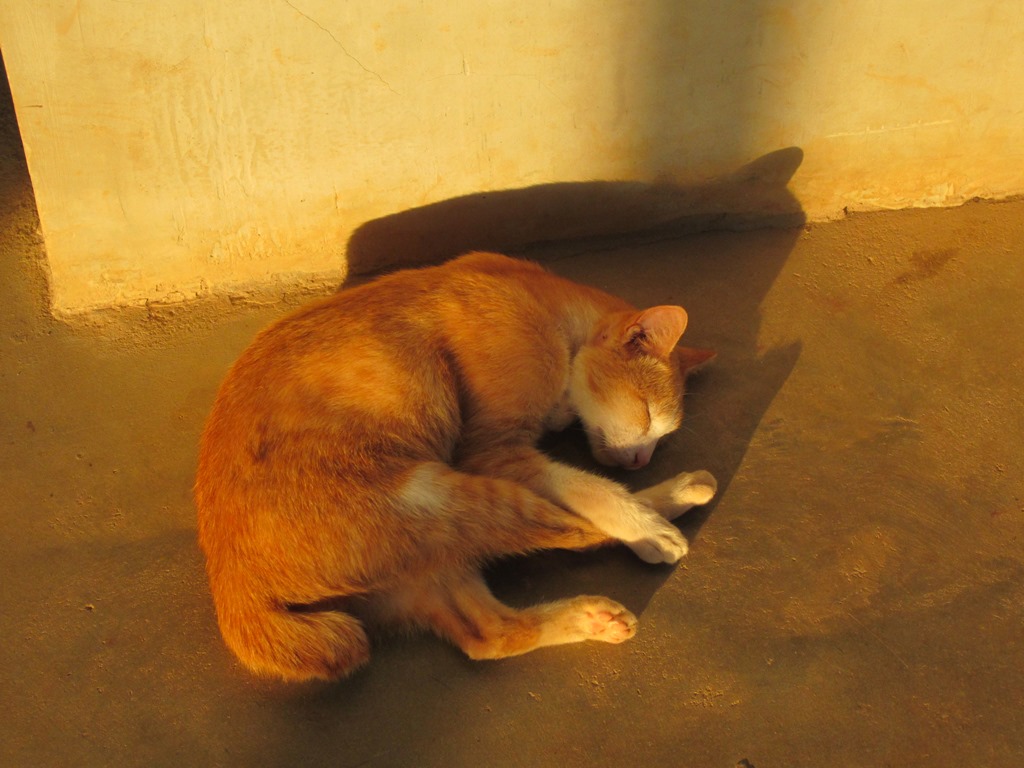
[178,148]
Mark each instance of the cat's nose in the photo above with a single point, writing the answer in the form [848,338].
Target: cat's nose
[640,459]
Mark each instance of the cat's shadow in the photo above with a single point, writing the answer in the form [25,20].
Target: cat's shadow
[650,244]
[517,220]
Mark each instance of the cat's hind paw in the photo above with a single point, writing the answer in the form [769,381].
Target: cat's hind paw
[598,618]
[587,617]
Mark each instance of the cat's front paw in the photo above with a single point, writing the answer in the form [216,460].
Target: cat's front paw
[667,545]
[694,488]
[678,494]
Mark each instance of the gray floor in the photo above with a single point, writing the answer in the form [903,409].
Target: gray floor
[854,597]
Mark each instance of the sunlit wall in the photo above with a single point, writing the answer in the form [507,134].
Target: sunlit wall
[179,148]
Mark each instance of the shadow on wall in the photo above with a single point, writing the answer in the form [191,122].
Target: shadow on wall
[20,224]
[755,195]
[702,81]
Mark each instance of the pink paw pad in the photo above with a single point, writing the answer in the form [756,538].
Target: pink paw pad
[611,627]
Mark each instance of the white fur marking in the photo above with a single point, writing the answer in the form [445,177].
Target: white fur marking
[422,490]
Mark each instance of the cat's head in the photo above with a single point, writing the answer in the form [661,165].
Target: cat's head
[627,383]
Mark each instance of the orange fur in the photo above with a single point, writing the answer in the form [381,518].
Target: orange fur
[375,448]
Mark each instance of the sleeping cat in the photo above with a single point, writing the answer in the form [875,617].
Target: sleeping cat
[367,454]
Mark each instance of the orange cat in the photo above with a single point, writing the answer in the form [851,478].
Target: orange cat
[367,454]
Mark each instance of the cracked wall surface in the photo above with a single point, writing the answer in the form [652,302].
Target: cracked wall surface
[197,147]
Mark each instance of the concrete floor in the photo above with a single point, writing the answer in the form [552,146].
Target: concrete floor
[855,596]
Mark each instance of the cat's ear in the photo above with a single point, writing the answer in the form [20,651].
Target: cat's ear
[657,330]
[692,359]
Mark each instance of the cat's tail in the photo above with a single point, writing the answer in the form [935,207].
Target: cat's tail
[275,642]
